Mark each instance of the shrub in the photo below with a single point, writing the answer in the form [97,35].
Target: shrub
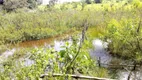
[10,5]
[31,4]
[126,40]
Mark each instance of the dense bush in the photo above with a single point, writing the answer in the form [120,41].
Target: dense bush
[126,38]
[10,5]
[31,4]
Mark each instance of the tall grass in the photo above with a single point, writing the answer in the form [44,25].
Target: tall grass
[22,26]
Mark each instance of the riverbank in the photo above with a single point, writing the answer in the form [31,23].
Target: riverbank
[23,26]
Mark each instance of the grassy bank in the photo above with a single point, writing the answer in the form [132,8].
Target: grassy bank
[22,26]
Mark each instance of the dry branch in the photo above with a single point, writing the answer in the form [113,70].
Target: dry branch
[74,76]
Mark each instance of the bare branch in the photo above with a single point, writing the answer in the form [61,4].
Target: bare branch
[81,42]
[74,76]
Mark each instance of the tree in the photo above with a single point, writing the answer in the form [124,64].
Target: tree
[1,1]
[10,5]
[97,1]
[52,2]
[31,4]
[88,1]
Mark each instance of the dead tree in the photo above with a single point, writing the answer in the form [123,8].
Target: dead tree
[52,2]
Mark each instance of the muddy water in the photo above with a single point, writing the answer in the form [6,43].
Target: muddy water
[44,42]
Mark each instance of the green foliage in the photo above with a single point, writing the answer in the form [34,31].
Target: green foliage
[31,4]
[49,61]
[136,3]
[126,38]
[10,5]
[2,48]
[17,27]
[25,25]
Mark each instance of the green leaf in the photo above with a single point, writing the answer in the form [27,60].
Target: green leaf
[62,53]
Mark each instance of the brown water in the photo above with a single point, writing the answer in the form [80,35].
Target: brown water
[43,42]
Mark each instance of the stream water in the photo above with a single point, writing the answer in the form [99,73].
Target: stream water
[98,52]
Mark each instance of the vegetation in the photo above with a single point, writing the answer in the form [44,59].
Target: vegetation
[49,61]
[118,23]
[10,5]
[125,38]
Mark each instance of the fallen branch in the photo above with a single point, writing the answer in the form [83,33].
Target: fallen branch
[74,76]
[120,65]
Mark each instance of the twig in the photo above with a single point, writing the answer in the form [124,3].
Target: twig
[74,76]
[121,65]
[139,26]
[137,38]
[134,68]
[81,42]
[130,73]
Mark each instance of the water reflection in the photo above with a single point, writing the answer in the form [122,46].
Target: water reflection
[135,75]
[58,45]
[8,53]
[28,62]
[99,51]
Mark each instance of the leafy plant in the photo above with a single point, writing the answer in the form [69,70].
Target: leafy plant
[125,36]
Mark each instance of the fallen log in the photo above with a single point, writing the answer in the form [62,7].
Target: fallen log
[74,76]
